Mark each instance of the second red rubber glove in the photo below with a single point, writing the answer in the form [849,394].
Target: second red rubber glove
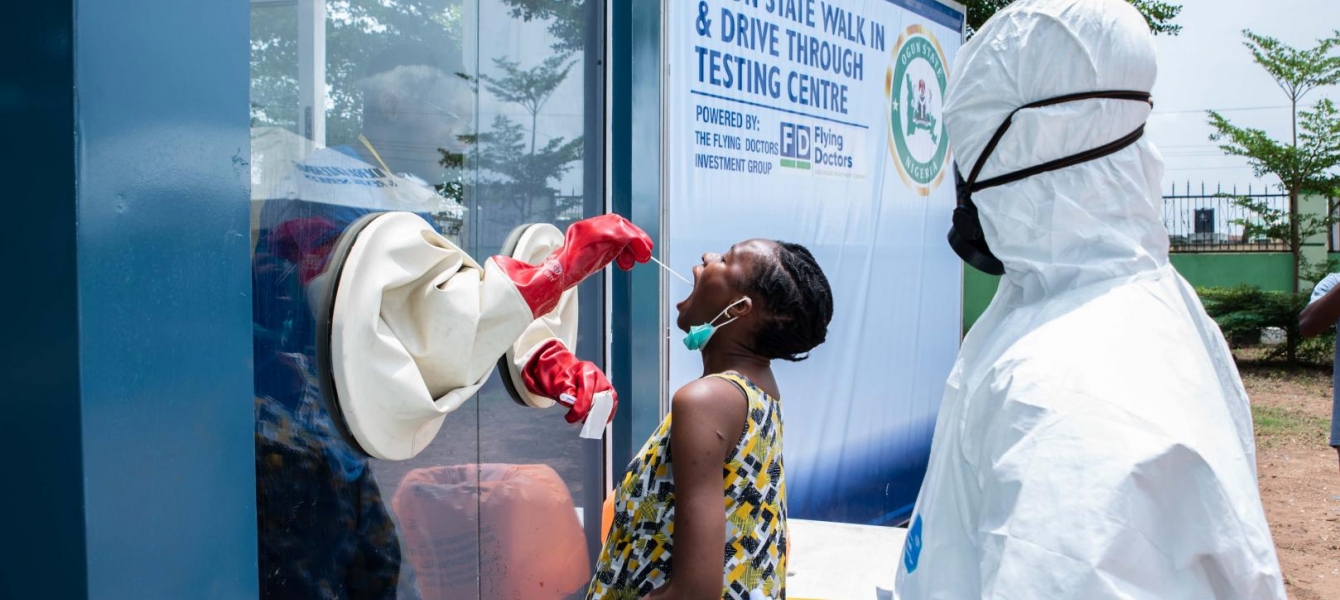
[588,246]
[553,372]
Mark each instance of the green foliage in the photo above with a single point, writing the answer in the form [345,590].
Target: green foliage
[1318,350]
[530,88]
[510,173]
[1296,71]
[567,25]
[1265,221]
[501,154]
[1244,312]
[1306,167]
[1314,272]
[1302,164]
[357,31]
[1159,15]
[274,67]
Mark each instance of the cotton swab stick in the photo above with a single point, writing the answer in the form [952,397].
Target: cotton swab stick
[672,271]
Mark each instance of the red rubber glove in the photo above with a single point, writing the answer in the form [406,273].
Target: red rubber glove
[554,372]
[589,245]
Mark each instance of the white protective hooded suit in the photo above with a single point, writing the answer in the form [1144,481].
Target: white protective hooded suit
[1095,440]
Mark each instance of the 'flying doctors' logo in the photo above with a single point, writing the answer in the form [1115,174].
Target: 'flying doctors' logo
[914,87]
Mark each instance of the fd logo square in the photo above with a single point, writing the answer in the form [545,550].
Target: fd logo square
[795,141]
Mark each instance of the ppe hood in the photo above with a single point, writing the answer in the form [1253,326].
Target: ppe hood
[1094,440]
[1088,222]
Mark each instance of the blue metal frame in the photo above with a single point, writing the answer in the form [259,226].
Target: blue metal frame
[593,309]
[128,403]
[620,107]
[635,190]
[43,556]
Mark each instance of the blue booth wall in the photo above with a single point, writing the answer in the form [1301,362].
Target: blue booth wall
[165,311]
[128,403]
[134,463]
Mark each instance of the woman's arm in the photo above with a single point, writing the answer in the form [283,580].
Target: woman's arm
[708,418]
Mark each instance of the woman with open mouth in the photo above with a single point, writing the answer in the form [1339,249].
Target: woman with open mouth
[711,522]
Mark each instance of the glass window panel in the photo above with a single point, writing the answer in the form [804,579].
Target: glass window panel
[472,114]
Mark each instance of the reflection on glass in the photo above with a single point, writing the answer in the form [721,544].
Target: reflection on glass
[470,114]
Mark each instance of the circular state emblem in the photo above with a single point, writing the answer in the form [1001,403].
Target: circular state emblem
[915,87]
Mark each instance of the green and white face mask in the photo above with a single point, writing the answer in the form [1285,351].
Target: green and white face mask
[699,334]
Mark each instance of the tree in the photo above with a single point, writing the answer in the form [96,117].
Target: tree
[513,175]
[511,178]
[1300,167]
[567,26]
[518,176]
[1159,15]
[356,31]
[530,88]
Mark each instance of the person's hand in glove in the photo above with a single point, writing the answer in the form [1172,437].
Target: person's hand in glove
[588,246]
[553,372]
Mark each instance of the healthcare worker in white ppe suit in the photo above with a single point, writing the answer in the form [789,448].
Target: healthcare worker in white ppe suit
[1095,440]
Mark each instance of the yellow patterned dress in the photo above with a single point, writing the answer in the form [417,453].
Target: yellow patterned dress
[636,557]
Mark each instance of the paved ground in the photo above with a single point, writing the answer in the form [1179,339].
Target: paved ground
[835,561]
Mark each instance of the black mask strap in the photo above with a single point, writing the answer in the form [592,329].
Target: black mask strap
[966,234]
[1009,119]
[1099,152]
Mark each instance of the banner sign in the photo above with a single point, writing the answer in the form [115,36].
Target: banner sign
[820,122]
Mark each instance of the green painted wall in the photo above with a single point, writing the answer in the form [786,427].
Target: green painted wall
[1267,270]
[978,289]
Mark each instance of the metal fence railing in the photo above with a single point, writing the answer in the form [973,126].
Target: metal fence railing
[1213,221]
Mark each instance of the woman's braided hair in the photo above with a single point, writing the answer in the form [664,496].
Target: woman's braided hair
[798,300]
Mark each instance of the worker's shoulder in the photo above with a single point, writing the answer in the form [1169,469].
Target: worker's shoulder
[1137,358]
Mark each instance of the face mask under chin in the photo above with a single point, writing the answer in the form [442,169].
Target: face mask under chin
[699,334]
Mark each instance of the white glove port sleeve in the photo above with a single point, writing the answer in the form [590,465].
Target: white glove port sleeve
[419,327]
